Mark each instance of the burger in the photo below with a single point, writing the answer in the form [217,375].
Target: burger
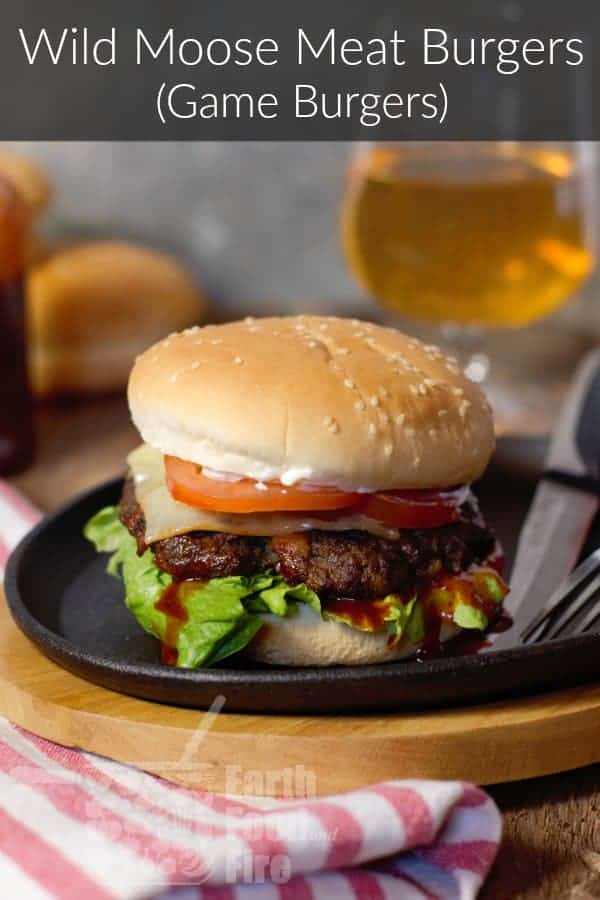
[302,495]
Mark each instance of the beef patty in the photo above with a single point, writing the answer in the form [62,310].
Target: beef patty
[353,564]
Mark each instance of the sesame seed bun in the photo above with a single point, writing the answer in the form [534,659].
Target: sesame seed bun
[305,640]
[332,401]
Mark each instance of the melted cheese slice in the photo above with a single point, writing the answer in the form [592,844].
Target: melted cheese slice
[166,517]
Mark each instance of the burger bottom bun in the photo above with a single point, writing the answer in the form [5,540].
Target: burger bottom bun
[305,640]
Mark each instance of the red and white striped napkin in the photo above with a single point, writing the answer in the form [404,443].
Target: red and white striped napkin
[76,826]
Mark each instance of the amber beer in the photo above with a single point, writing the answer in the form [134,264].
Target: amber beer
[16,425]
[489,235]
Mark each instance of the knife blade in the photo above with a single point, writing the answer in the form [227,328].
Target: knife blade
[563,507]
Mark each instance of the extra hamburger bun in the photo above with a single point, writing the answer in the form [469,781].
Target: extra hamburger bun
[305,640]
[28,179]
[93,307]
[332,401]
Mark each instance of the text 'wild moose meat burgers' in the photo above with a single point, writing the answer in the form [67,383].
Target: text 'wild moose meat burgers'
[303,495]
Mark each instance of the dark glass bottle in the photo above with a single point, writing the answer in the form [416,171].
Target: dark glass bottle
[16,413]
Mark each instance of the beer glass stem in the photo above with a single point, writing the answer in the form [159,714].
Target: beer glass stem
[466,343]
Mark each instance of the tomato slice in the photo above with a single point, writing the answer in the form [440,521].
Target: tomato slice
[188,484]
[412,509]
[398,509]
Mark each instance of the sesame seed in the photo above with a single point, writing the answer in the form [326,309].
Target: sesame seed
[195,365]
[422,390]
[400,419]
[458,392]
[409,432]
[372,428]
[323,326]
[360,405]
[388,449]
[384,419]
[383,392]
[429,382]
[328,420]
[173,378]
[238,361]
[416,462]
[250,319]
[216,341]
[348,382]
[432,433]
[442,412]
[334,428]
[312,344]
[374,400]
[413,389]
[343,351]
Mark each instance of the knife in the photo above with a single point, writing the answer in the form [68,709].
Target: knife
[564,505]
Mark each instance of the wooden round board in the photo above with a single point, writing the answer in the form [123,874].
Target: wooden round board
[292,755]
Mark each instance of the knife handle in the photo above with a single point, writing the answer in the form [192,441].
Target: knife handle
[574,456]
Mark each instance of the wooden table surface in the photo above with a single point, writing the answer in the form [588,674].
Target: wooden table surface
[551,848]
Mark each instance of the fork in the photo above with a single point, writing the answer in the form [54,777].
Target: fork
[576,603]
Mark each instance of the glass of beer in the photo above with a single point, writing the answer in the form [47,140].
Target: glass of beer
[472,236]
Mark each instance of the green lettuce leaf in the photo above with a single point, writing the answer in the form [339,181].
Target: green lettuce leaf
[280,596]
[462,597]
[467,616]
[393,611]
[415,627]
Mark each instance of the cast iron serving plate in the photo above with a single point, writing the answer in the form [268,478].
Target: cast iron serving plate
[63,600]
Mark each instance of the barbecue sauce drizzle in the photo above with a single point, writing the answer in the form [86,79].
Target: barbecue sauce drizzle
[369,615]
[171,604]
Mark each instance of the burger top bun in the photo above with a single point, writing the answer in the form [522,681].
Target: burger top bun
[93,307]
[306,640]
[330,401]
[28,178]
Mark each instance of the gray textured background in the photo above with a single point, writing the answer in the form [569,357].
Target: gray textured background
[257,222]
